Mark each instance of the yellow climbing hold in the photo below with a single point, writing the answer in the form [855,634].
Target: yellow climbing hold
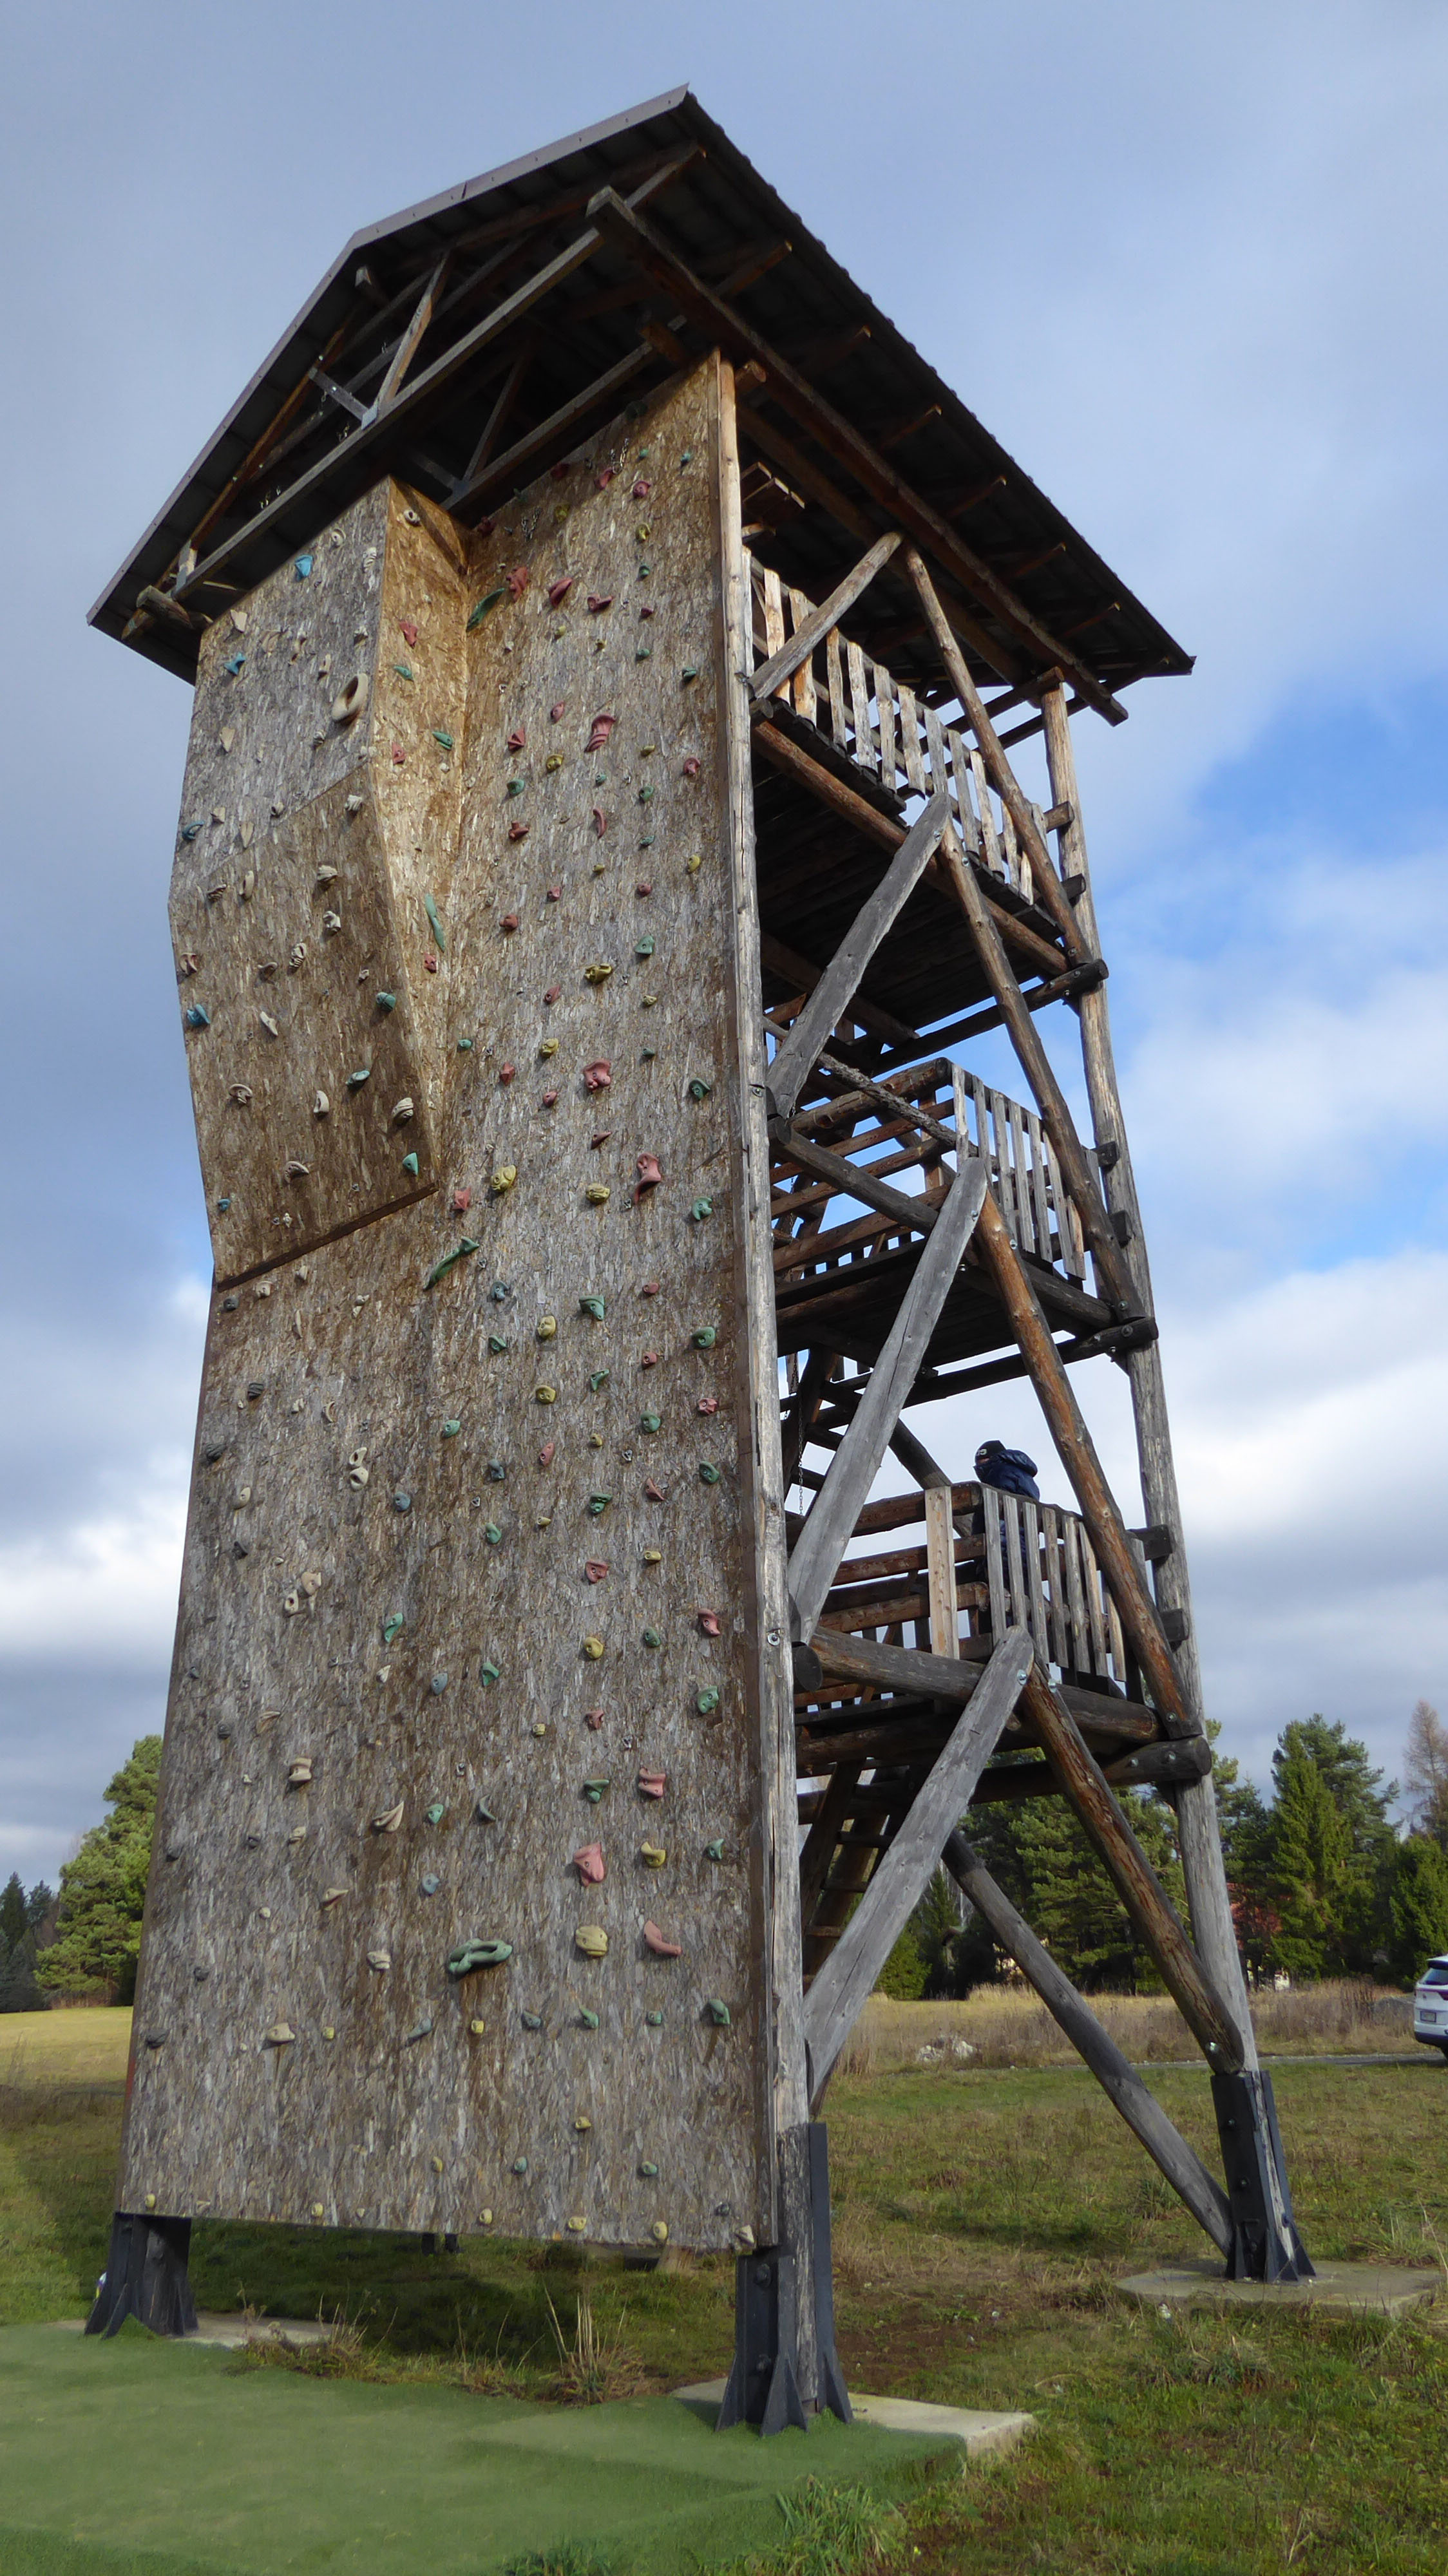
[653,1855]
[546,1327]
[486,2217]
[593,1648]
[502,1179]
[437,2164]
[598,1193]
[583,2121]
[578,2225]
[659,2232]
[328,2030]
[545,1394]
[318,2211]
[477,2028]
[592,1940]
[597,974]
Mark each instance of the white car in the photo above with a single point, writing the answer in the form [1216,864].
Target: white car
[1430,2006]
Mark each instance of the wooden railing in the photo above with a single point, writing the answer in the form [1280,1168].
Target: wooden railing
[878,722]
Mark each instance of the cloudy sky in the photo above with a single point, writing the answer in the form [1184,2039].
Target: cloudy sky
[1188,265]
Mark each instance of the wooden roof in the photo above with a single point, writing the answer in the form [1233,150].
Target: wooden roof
[296,446]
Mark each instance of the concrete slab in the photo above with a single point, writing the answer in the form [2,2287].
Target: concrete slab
[970,2426]
[1340,2289]
[229,2332]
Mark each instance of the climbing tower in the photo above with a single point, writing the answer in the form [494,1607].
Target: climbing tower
[600,850]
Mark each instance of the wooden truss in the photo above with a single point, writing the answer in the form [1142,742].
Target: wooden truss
[1007,1649]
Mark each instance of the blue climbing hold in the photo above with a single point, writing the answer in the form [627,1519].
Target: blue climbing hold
[410,1164]
[197,1016]
[303,567]
[236,665]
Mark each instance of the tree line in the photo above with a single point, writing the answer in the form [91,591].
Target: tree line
[1323,1883]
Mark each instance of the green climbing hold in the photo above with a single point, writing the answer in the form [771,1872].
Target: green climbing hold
[699,1089]
[705,1337]
[700,1209]
[714,1850]
[401,1502]
[222,1205]
[593,1790]
[646,795]
[648,2172]
[478,1954]
[465,1046]
[647,1054]
[439,736]
[708,1472]
[597,1505]
[488,1674]
[411,1165]
[689,672]
[500,1292]
[492,1534]
[651,1422]
[718,2013]
[430,908]
[651,1637]
[655,2020]
[441,1268]
[356,1080]
[593,1306]
[421,2029]
[520,2163]
[402,671]
[435,1814]
[587,2020]
[530,2021]
[387,1001]
[598,1378]
[516,786]
[707,1701]
[430,1883]
[489,600]
[450,1430]
[392,1626]
[644,948]
[497,1473]
[497,1343]
[484,1813]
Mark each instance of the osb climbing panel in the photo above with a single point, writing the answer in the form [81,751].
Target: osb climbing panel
[461,1913]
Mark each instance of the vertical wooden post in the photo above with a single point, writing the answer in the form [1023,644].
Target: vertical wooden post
[1198,1832]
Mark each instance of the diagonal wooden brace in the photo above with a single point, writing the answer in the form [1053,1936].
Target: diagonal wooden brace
[821,1543]
[836,988]
[792,656]
[847,1978]
[1137,1884]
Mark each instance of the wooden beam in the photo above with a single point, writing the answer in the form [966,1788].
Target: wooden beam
[792,656]
[1136,1882]
[856,1181]
[560,426]
[407,346]
[821,1543]
[830,999]
[1155,1766]
[1003,778]
[847,1978]
[636,239]
[1140,2110]
[781,959]
[498,413]
[826,1825]
[858,1662]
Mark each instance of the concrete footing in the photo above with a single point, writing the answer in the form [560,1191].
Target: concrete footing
[1339,2290]
[975,2431]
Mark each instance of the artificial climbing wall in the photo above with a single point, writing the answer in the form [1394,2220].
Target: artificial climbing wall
[461,1912]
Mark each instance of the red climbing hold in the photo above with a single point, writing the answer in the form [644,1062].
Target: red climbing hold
[518,738]
[509,921]
[653,1493]
[650,1360]
[649,1175]
[601,1138]
[408,626]
[596,1569]
[603,480]
[603,726]
[555,894]
[647,610]
[643,889]
[517,831]
[547,1453]
[549,1100]
[650,1288]
[708,1623]
[590,1865]
[692,766]
[517,581]
[552,993]
[661,1948]
[398,755]
[558,590]
[430,961]
[599,1076]
[506,1072]
[593,1719]
[707,1404]
[461,1202]
[555,712]
[642,488]
[598,603]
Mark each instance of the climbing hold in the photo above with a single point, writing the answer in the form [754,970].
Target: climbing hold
[592,1305]
[598,1193]
[460,1202]
[489,601]
[598,602]
[354,1080]
[197,1017]
[649,1175]
[597,1505]
[598,1378]
[655,2020]
[403,1110]
[545,1395]
[643,653]
[547,1047]
[300,1773]
[435,1813]
[714,1850]
[465,1046]
[488,1674]
[653,1556]
[441,1268]
[506,1072]
[651,1422]
[595,1570]
[593,1790]
[472,1955]
[502,1179]
[450,1429]
[706,1701]
[593,1649]
[547,1453]
[653,1493]
[235,666]
[295,1169]
[381,1960]
[597,974]
[598,1076]
[689,672]
[700,1209]
[557,593]
[653,1855]
[430,1883]
[392,1626]
[643,532]
[589,1863]
[411,1165]
[439,736]
[492,1534]
[718,2012]
[704,1336]
[652,1784]
[708,1472]
[280,2035]
[549,1100]
[650,1359]
[659,2232]
[691,766]
[321,1106]
[707,1404]
[388,1820]
[496,1471]
[709,1623]
[587,2020]
[592,1940]
[518,831]
[402,1502]
[692,866]
[545,1328]
[651,1637]
[484,1813]
[499,1293]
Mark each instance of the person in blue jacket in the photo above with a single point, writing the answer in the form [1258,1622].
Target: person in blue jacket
[1009,1470]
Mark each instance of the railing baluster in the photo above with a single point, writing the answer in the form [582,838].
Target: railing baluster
[864,747]
[834,645]
[805,695]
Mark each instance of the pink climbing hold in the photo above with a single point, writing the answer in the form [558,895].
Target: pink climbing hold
[653,1493]
[518,738]
[601,1138]
[642,488]
[517,581]
[707,1404]
[506,1072]
[598,601]
[555,712]
[517,831]
[509,921]
[593,1720]
[649,1175]
[430,961]
[558,590]
[589,1864]
[650,1360]
[692,766]
[555,894]
[598,1076]
[398,755]
[552,993]
[661,1947]
[708,1623]
[603,726]
[408,626]
[547,1453]
[549,1100]
[643,889]
[600,821]
[647,610]
[652,1784]
[596,1569]
[461,1201]
[650,1288]
[602,481]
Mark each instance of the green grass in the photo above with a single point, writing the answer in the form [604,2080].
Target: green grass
[981,2220]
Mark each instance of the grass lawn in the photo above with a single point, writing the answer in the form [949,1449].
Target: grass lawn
[981,2219]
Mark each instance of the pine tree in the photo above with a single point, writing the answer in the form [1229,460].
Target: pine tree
[14,1921]
[103,1890]
[1425,1772]
[1317,1881]
[1419,1906]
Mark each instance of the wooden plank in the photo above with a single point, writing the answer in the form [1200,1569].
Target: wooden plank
[940,1560]
[1139,2108]
[407,346]
[837,986]
[772,593]
[503,472]
[854,1180]
[885,711]
[864,750]
[821,1543]
[847,1660]
[788,658]
[834,666]
[1136,1882]
[806,696]
[826,1826]
[844,1984]
[1150,1766]
[910,746]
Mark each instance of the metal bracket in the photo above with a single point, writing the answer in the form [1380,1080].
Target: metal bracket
[774,2348]
[1265,2242]
[145,2276]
